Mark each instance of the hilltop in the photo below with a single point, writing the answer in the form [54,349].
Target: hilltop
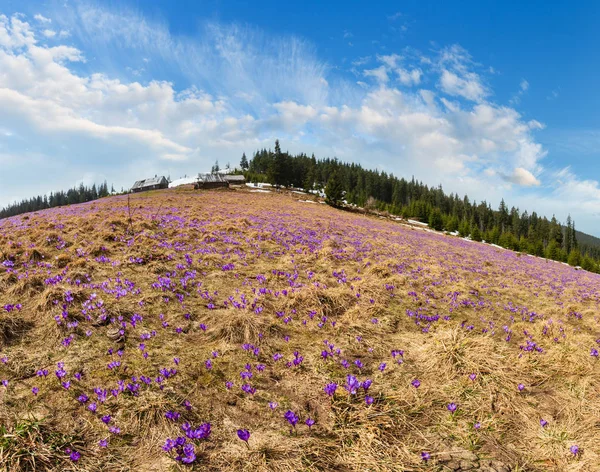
[129,322]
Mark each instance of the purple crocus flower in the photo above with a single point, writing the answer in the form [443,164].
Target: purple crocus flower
[543,423]
[35,390]
[74,456]
[452,407]
[273,405]
[521,387]
[473,376]
[330,388]
[416,383]
[291,417]
[352,384]
[103,443]
[425,456]
[382,366]
[368,400]
[309,422]
[477,425]
[244,435]
[574,449]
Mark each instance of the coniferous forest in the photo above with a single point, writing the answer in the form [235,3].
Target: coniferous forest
[505,226]
[74,195]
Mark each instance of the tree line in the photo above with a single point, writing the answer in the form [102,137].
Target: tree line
[350,184]
[74,195]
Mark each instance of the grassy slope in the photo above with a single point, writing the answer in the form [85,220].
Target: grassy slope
[454,307]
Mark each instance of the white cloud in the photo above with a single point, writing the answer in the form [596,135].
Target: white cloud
[469,87]
[457,75]
[523,87]
[412,77]
[391,60]
[42,19]
[380,73]
[522,177]
[49,33]
[391,64]
[361,61]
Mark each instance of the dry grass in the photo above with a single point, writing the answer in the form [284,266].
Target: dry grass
[299,274]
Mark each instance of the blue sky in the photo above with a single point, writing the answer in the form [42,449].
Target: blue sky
[493,99]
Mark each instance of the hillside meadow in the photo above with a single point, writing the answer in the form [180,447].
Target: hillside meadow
[236,331]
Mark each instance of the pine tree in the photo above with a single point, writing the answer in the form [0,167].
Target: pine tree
[574,258]
[435,219]
[244,162]
[276,169]
[553,251]
[567,241]
[476,233]
[334,192]
[464,229]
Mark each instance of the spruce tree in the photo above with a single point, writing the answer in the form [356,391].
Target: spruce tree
[435,219]
[334,192]
[244,162]
[574,258]
[276,170]
[476,233]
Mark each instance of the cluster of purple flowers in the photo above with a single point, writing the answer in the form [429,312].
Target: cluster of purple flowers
[185,452]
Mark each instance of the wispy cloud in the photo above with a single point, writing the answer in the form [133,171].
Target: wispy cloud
[41,18]
[554,94]
[523,87]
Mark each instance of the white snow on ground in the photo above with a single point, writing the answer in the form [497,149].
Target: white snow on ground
[414,222]
[499,247]
[260,191]
[306,201]
[259,185]
[183,181]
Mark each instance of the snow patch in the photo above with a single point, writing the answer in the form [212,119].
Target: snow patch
[183,181]
[415,222]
